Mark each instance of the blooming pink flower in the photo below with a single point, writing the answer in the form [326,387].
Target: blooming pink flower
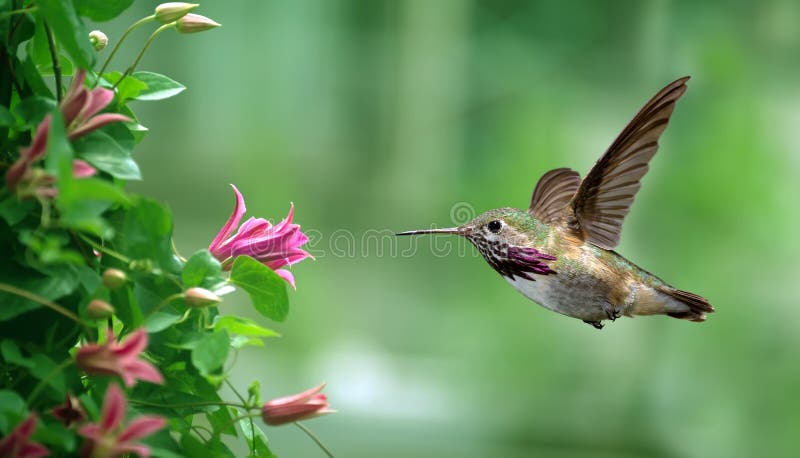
[119,358]
[302,406]
[70,412]
[17,445]
[274,246]
[108,439]
[80,106]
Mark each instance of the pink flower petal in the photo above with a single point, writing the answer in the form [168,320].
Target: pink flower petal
[73,103]
[141,370]
[96,123]
[114,408]
[286,275]
[82,169]
[238,211]
[98,99]
[299,397]
[141,427]
[132,345]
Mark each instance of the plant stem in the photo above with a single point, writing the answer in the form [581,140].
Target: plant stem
[51,42]
[41,300]
[133,27]
[141,53]
[189,404]
[103,249]
[64,364]
[314,437]
[29,9]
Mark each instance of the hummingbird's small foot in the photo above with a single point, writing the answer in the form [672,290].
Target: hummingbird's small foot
[610,311]
[596,324]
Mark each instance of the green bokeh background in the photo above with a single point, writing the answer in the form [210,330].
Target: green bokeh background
[377,116]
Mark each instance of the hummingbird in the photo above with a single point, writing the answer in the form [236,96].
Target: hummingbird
[560,253]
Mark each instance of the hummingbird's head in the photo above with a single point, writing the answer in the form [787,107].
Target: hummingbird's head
[501,226]
[506,238]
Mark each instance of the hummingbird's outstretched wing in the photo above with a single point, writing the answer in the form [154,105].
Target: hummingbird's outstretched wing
[553,193]
[606,194]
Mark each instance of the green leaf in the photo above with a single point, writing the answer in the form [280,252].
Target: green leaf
[160,321]
[12,408]
[210,353]
[38,50]
[266,289]
[159,87]
[256,439]
[222,421]
[101,10]
[69,30]
[147,233]
[13,210]
[242,326]
[83,202]
[128,89]
[201,266]
[33,109]
[58,282]
[100,150]
[6,118]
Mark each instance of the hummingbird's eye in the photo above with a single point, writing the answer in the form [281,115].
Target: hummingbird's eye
[495,226]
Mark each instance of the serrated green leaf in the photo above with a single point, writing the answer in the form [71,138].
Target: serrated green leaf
[266,289]
[159,87]
[68,29]
[211,352]
[103,152]
[201,266]
[101,10]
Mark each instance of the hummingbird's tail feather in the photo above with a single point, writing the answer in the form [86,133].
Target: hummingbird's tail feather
[698,306]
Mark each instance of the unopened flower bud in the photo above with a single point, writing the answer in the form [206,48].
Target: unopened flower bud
[172,11]
[193,23]
[99,309]
[201,297]
[98,39]
[114,279]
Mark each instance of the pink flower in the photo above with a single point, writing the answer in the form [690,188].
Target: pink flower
[303,406]
[80,106]
[17,445]
[107,438]
[119,358]
[274,246]
[70,412]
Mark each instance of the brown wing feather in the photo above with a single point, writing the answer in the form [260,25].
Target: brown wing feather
[553,193]
[606,194]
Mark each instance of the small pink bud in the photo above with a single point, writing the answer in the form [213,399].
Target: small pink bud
[82,169]
[114,279]
[302,406]
[99,309]
[172,11]
[98,39]
[193,23]
[201,297]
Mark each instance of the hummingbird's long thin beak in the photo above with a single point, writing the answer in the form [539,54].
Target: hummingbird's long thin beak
[447,230]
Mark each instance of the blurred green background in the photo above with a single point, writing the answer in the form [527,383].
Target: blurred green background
[387,115]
